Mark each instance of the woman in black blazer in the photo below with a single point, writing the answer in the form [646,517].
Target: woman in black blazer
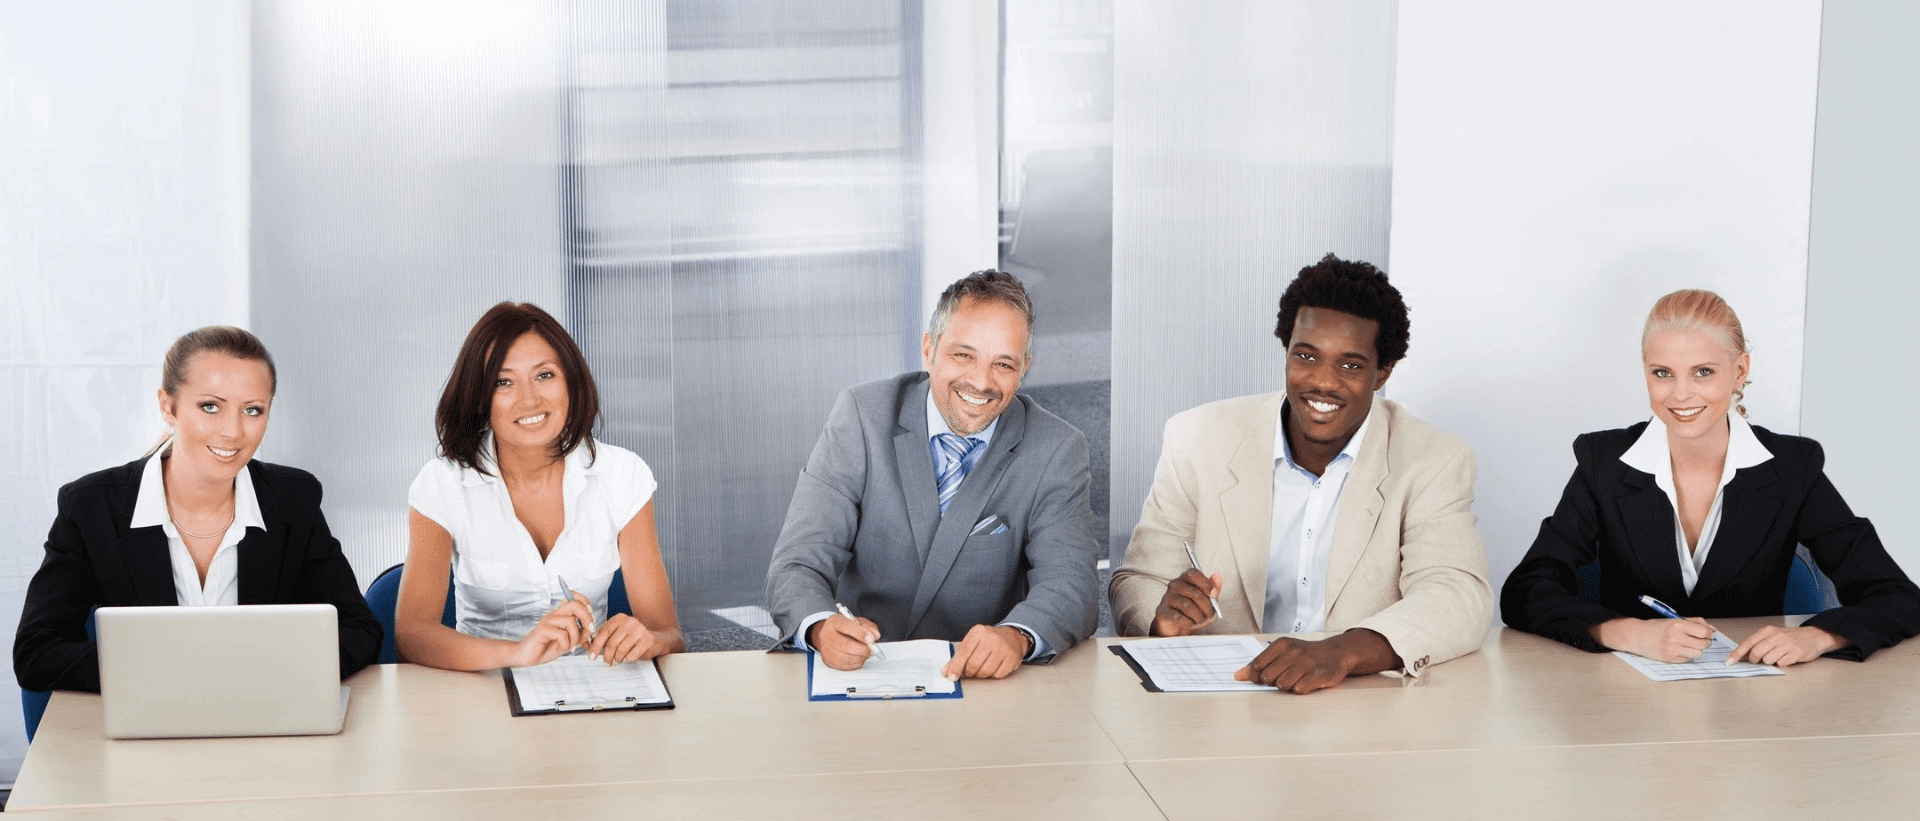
[1747,498]
[178,527]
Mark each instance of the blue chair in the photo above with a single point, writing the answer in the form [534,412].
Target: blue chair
[384,597]
[1808,589]
[33,703]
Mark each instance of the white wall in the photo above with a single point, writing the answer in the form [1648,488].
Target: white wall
[123,223]
[1862,287]
[1557,167]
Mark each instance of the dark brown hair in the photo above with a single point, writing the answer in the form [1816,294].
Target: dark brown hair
[220,339]
[466,403]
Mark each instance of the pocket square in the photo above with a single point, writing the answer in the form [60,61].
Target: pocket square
[998,530]
[983,523]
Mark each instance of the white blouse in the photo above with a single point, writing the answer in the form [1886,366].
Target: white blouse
[222,588]
[501,586]
[1649,454]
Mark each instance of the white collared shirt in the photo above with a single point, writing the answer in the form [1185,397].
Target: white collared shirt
[502,587]
[1649,454]
[1305,508]
[222,588]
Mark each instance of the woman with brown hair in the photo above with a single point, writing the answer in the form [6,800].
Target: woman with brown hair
[528,515]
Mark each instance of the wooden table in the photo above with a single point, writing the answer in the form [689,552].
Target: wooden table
[1524,728]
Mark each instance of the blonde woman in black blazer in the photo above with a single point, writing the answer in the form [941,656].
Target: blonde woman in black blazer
[1746,499]
[212,538]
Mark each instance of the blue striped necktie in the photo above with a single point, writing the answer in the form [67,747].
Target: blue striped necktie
[962,455]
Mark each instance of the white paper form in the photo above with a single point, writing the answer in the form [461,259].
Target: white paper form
[1196,664]
[582,683]
[1712,663]
[907,665]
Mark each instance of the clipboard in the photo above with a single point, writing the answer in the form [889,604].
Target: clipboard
[592,685]
[918,676]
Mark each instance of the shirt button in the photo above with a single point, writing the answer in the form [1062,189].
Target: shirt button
[1297,626]
[1303,581]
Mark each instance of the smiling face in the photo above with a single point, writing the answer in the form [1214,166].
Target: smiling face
[1332,371]
[1691,377]
[218,413]
[529,396]
[976,364]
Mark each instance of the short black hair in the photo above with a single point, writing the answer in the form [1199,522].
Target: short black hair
[1350,287]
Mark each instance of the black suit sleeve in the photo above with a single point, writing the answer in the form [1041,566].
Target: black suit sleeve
[1542,595]
[51,649]
[1880,606]
[327,577]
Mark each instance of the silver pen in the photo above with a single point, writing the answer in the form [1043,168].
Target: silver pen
[872,646]
[567,592]
[1195,561]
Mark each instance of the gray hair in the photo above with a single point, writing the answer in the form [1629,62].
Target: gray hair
[987,286]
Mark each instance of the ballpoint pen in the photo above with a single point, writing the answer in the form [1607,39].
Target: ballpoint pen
[873,647]
[1195,561]
[1662,608]
[567,592]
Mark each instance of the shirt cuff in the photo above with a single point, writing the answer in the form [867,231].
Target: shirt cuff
[1039,646]
[800,636]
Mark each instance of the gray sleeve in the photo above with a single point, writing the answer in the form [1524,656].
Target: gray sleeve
[817,539]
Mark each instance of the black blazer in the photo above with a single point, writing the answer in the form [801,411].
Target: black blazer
[94,559]
[1620,515]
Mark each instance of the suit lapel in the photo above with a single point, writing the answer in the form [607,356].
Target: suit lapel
[143,550]
[967,505]
[1360,503]
[1247,506]
[1747,512]
[1648,516]
[915,467]
[149,566]
[258,558]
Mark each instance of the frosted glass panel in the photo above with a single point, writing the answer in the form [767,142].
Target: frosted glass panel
[717,198]
[1249,138]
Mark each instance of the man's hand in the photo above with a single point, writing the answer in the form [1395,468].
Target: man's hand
[987,652]
[1187,606]
[1301,666]
[1672,641]
[1784,646]
[843,643]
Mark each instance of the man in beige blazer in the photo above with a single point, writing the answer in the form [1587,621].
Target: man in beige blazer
[1319,509]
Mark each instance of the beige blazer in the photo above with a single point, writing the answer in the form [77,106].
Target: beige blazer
[1407,562]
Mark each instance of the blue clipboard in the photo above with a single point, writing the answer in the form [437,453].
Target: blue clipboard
[888,693]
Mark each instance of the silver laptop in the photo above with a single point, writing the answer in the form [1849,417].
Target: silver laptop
[251,670]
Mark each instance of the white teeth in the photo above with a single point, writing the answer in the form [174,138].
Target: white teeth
[1322,407]
[1688,413]
[969,400]
[532,420]
[222,453]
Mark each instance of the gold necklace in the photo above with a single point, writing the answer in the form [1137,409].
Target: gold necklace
[222,531]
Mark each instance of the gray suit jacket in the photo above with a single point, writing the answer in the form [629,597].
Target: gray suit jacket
[1407,561]
[865,527]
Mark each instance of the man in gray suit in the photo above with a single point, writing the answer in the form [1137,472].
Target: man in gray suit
[942,504]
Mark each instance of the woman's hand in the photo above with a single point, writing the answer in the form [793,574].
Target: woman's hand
[1673,641]
[560,630]
[1785,646]
[622,639]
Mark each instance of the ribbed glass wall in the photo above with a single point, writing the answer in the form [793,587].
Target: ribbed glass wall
[1249,138]
[719,200]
